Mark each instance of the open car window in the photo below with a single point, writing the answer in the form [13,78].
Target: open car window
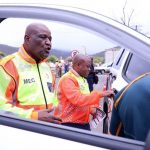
[81,39]
[69,32]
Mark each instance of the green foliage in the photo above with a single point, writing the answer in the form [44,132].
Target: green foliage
[52,58]
[69,59]
[99,59]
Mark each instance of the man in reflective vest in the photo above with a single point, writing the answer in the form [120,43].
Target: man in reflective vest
[76,103]
[26,81]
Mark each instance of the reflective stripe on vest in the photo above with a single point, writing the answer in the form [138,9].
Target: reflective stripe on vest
[29,83]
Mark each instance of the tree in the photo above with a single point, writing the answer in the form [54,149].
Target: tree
[98,60]
[52,58]
[69,59]
[126,19]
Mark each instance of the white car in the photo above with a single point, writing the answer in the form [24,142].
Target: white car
[17,133]
[116,70]
[126,67]
[104,68]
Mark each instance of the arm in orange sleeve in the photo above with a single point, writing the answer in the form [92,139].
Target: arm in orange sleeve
[70,89]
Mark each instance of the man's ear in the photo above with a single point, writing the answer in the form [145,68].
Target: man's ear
[26,38]
[78,64]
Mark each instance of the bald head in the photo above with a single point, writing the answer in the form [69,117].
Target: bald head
[81,64]
[37,41]
[35,27]
[79,58]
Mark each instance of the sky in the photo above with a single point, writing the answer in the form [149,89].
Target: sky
[110,8]
[64,37]
[114,9]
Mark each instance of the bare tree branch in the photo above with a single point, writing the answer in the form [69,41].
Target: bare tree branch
[129,19]
[126,19]
[124,14]
[122,20]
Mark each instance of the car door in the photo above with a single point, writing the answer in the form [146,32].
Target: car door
[84,20]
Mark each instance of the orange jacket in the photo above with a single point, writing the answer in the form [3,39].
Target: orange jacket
[74,105]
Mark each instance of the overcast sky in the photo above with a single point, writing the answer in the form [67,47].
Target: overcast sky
[110,8]
[113,8]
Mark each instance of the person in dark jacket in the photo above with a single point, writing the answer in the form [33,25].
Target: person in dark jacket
[90,78]
[131,116]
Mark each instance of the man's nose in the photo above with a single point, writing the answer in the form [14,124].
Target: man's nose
[48,42]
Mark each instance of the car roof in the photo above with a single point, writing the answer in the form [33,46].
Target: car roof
[100,24]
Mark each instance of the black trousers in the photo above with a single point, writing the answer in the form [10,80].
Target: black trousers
[76,125]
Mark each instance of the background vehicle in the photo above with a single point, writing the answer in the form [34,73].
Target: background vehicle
[126,67]
[104,68]
[116,70]
[85,20]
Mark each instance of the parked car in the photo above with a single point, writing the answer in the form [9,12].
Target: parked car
[116,70]
[126,67]
[104,68]
[18,133]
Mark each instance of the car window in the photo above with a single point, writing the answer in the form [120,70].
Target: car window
[73,37]
[136,67]
[118,59]
[81,39]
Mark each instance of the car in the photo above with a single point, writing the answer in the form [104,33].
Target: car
[116,70]
[18,133]
[104,68]
[126,67]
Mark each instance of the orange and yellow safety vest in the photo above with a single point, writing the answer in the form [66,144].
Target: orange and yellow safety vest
[25,86]
[74,99]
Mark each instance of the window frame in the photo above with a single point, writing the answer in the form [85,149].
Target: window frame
[73,134]
[92,23]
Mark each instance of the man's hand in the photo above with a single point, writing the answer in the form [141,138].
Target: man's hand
[44,115]
[108,93]
[93,111]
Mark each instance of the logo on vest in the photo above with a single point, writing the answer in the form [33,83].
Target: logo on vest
[26,81]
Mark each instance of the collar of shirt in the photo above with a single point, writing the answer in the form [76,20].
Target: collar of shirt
[76,74]
[22,52]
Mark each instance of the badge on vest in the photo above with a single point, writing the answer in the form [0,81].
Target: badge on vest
[26,81]
[49,85]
